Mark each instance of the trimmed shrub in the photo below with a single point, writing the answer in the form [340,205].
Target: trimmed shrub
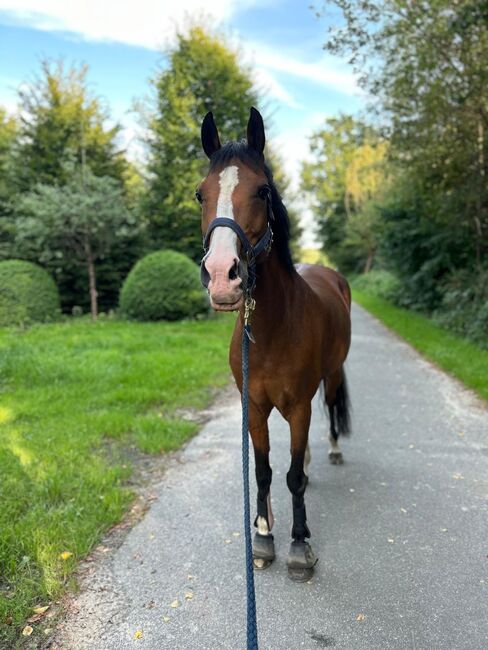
[163,286]
[27,294]
[378,283]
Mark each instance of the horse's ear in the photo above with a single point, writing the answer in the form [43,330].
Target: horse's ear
[255,132]
[210,135]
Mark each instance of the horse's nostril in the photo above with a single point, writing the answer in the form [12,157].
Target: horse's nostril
[234,272]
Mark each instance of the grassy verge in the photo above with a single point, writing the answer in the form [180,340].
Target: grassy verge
[456,355]
[72,396]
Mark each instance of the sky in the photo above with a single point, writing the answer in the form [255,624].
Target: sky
[123,43]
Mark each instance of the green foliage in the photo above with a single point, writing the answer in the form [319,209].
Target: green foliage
[77,223]
[78,400]
[164,285]
[8,135]
[464,307]
[203,74]
[27,294]
[424,65]
[62,128]
[344,180]
[377,283]
[463,359]
[61,124]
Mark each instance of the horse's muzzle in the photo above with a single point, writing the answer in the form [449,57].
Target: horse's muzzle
[225,283]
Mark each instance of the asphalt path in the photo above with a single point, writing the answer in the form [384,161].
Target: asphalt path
[401,529]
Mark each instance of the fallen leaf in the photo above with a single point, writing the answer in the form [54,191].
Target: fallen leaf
[360,617]
[391,540]
[403,510]
[65,555]
[166,619]
[41,610]
[175,604]
[9,620]
[458,477]
[443,530]
[27,631]
[236,534]
[188,595]
[138,634]
[48,630]
[228,541]
[34,619]
[189,576]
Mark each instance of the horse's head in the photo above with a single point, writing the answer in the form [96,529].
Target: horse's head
[236,192]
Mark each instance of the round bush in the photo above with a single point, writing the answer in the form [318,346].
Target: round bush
[27,294]
[163,286]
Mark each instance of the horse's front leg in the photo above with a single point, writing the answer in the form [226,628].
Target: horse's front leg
[263,543]
[301,559]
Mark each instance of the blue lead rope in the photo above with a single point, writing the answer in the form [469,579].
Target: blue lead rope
[252,628]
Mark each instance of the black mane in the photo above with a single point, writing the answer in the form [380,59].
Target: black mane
[281,223]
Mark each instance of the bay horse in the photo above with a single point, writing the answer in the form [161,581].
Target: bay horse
[301,324]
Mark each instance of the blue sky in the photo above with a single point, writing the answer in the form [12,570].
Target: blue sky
[122,41]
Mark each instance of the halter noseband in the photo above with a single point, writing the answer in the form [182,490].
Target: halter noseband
[251,252]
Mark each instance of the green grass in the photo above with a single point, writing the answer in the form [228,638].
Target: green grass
[73,396]
[463,359]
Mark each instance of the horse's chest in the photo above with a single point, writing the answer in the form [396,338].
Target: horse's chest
[283,384]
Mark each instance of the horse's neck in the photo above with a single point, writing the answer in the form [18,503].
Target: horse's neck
[274,294]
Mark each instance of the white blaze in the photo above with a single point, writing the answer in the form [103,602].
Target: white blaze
[225,238]
[229,179]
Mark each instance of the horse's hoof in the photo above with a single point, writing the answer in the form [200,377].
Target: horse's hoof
[301,562]
[263,551]
[336,458]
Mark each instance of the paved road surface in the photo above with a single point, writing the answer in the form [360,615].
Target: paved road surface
[401,529]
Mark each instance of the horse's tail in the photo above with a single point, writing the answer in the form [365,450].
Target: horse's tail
[342,407]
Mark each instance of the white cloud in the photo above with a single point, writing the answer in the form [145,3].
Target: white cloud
[327,71]
[265,82]
[147,23]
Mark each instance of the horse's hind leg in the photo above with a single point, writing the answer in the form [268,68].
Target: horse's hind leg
[263,543]
[335,454]
[301,559]
[337,402]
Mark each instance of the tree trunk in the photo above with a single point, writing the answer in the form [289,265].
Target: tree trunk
[92,279]
[369,261]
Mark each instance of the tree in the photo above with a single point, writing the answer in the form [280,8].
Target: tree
[365,187]
[8,135]
[61,123]
[336,151]
[425,65]
[203,74]
[78,223]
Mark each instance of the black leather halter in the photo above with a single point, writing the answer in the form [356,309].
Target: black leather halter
[251,252]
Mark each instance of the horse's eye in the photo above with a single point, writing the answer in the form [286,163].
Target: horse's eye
[264,192]
[198,196]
